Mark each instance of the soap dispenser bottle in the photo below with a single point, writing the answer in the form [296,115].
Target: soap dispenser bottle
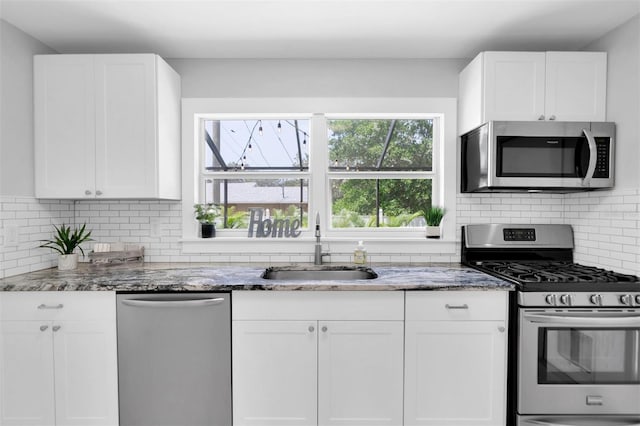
[360,254]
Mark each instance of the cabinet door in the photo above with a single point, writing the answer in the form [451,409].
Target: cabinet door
[64,108]
[126,154]
[576,84]
[360,373]
[455,373]
[86,373]
[274,373]
[514,85]
[26,374]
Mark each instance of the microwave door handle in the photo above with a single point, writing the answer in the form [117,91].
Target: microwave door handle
[595,319]
[593,157]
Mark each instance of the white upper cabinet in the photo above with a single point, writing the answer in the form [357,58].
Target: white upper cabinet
[527,86]
[576,86]
[106,126]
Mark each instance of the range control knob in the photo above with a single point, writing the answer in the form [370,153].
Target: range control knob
[596,299]
[566,299]
[626,299]
[638,300]
[551,299]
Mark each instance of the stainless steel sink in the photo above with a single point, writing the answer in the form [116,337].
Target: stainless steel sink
[319,273]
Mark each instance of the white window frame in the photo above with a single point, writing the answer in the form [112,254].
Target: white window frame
[401,240]
[384,232]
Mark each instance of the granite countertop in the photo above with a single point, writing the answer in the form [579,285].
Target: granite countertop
[192,277]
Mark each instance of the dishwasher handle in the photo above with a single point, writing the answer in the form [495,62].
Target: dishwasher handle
[159,303]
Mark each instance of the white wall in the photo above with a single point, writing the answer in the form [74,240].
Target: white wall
[338,78]
[623,97]
[607,223]
[16,109]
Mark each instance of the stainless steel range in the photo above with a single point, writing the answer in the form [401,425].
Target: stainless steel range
[574,345]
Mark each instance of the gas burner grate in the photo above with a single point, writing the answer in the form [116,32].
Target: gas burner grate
[554,272]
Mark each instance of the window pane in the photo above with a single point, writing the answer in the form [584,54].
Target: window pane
[274,198]
[256,144]
[361,203]
[380,144]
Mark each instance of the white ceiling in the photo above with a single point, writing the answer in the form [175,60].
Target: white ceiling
[315,28]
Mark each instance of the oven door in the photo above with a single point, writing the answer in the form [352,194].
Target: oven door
[579,361]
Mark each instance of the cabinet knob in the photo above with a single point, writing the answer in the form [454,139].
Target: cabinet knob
[324,328]
[98,192]
[55,328]
[311,329]
[43,327]
[553,117]
[87,192]
[541,117]
[501,329]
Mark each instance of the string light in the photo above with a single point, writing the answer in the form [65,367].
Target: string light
[279,126]
[260,128]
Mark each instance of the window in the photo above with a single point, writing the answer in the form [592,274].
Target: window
[367,173]
[380,171]
[259,165]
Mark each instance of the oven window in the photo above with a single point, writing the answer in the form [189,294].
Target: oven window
[588,356]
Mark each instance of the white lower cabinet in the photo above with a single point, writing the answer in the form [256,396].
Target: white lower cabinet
[317,358]
[274,372]
[58,359]
[455,359]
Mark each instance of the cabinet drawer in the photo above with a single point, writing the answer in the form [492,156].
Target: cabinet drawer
[321,305]
[57,305]
[456,305]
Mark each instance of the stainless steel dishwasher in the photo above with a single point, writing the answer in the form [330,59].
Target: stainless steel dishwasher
[174,359]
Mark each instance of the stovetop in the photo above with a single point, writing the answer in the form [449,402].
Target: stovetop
[538,258]
[554,271]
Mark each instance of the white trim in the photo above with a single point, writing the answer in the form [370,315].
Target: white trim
[445,160]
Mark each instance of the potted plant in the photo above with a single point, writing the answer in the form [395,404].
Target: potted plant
[433,216]
[207,214]
[65,242]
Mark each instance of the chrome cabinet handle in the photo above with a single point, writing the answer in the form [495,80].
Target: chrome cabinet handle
[448,306]
[311,329]
[58,306]
[593,157]
[146,303]
[43,327]
[87,192]
[55,328]
[501,329]
[98,192]
[541,117]
[324,328]
[553,117]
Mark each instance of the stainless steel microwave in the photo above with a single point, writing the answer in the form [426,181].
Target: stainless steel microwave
[554,156]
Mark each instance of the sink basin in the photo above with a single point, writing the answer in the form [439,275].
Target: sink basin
[319,273]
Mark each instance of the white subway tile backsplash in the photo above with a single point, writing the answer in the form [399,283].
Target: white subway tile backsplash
[605,223]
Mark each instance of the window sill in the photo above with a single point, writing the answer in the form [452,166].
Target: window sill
[337,245]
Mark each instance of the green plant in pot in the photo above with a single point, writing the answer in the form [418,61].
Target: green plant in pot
[207,214]
[433,216]
[65,242]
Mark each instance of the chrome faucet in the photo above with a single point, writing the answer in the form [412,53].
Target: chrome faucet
[318,255]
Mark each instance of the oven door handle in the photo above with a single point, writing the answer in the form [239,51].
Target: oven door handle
[597,319]
[579,421]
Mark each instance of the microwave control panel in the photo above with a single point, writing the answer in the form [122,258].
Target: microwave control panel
[602,158]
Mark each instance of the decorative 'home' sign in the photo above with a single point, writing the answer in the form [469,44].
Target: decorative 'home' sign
[276,228]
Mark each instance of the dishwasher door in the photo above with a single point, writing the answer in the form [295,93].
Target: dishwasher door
[174,359]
